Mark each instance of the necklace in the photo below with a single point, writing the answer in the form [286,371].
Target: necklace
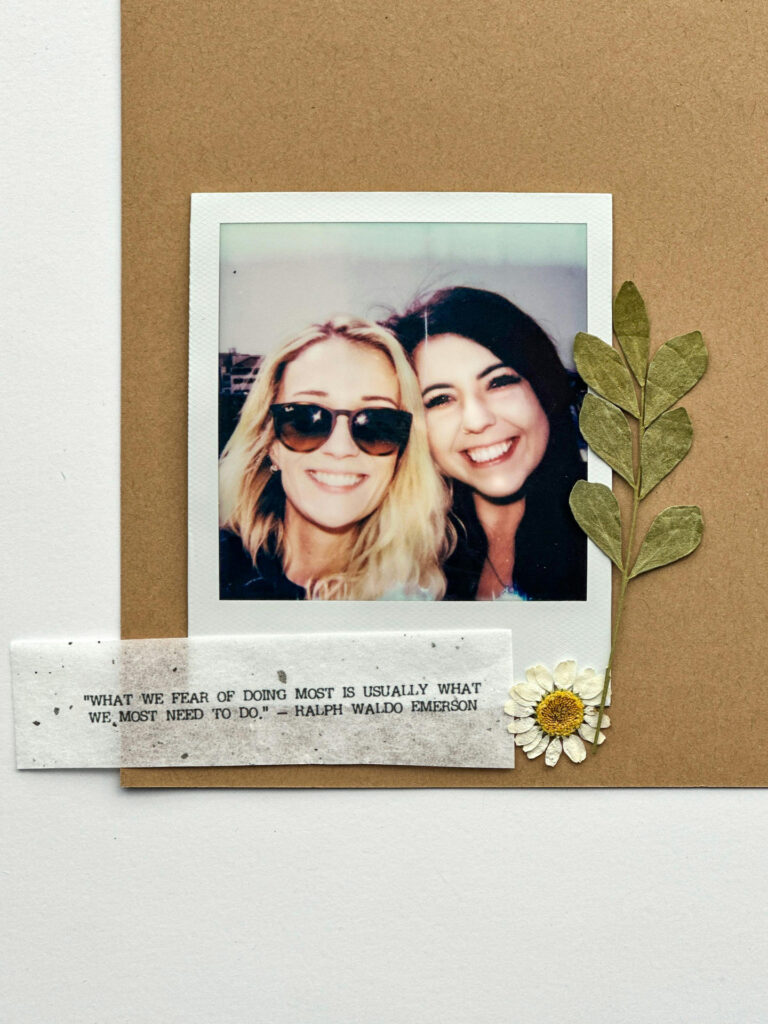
[506,588]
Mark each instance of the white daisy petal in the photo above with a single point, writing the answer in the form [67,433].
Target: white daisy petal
[539,749]
[591,715]
[521,738]
[530,693]
[574,748]
[538,675]
[521,725]
[518,710]
[554,750]
[589,688]
[565,673]
[534,742]
[587,732]
[586,673]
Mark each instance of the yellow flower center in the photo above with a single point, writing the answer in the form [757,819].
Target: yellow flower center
[560,713]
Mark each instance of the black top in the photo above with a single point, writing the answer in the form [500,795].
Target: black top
[241,580]
[550,547]
[560,570]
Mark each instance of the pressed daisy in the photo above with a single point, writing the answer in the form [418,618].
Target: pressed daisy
[555,712]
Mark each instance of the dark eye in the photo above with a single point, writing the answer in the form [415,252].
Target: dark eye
[504,380]
[436,400]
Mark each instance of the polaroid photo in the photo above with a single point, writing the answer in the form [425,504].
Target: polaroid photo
[383,417]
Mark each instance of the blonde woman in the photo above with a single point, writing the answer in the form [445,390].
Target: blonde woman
[327,488]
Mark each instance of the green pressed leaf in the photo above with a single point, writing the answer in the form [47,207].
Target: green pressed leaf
[597,513]
[674,369]
[606,431]
[673,534]
[665,443]
[630,322]
[604,371]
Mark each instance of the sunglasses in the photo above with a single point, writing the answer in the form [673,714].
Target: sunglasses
[306,427]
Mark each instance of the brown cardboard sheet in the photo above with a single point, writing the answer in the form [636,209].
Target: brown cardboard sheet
[664,105]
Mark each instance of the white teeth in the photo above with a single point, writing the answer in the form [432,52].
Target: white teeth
[493,451]
[337,479]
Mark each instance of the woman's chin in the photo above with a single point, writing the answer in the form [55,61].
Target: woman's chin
[333,514]
[500,490]
[338,520]
[333,525]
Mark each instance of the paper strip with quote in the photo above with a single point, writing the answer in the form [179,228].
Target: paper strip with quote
[363,698]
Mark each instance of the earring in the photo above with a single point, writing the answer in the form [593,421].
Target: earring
[274,469]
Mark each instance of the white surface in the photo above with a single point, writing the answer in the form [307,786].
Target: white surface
[339,907]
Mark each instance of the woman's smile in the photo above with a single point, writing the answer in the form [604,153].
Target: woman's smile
[492,454]
[336,483]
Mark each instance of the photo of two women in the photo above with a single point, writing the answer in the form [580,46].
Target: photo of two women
[399,413]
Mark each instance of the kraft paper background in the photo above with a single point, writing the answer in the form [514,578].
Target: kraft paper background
[661,104]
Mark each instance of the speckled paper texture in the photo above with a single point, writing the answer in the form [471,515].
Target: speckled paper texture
[369,698]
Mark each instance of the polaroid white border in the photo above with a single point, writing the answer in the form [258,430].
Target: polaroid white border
[542,631]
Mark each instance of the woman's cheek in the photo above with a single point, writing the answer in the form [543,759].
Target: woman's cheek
[440,434]
[381,473]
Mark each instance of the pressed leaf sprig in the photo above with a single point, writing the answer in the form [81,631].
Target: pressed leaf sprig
[630,386]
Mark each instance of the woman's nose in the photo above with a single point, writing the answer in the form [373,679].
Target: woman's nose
[476,415]
[340,444]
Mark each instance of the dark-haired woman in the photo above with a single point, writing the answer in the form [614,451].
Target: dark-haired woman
[501,426]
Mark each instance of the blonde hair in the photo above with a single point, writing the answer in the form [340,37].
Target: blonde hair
[401,544]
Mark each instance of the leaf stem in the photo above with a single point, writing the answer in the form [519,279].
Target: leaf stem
[626,567]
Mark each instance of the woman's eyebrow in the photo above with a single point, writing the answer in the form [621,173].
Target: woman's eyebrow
[435,387]
[490,369]
[378,398]
[319,394]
